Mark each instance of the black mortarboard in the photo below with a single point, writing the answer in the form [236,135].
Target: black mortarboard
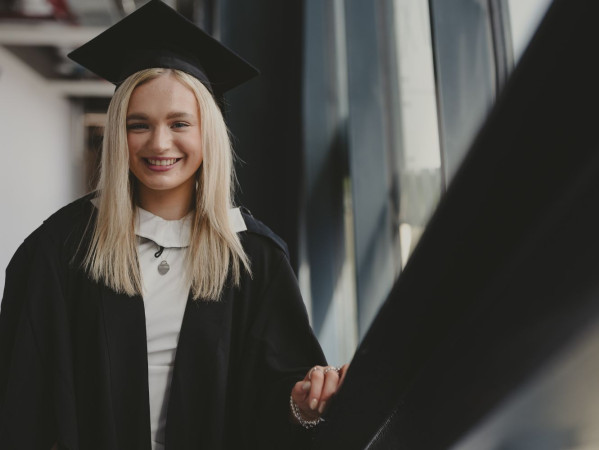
[158,36]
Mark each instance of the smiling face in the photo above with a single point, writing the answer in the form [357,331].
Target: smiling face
[164,139]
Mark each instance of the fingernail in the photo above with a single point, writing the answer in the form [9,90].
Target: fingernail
[306,386]
[313,403]
[321,409]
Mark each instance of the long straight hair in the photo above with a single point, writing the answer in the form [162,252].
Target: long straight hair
[215,250]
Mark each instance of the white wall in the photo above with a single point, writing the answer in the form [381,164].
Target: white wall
[36,153]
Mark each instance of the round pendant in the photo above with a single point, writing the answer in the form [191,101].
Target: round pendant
[163,268]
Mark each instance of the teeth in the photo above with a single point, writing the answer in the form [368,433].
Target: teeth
[162,162]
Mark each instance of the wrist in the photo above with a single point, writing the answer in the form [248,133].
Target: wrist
[299,417]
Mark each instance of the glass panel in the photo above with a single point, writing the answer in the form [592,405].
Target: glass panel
[327,272]
[420,159]
[466,74]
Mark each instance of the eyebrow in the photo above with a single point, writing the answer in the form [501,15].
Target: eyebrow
[137,116]
[172,115]
[179,115]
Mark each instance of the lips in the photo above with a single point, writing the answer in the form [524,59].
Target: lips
[161,161]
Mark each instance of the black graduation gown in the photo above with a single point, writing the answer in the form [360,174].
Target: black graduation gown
[73,356]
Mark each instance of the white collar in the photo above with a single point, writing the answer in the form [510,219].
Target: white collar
[174,233]
[165,233]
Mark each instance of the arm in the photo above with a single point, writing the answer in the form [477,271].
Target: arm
[24,405]
[283,349]
[28,351]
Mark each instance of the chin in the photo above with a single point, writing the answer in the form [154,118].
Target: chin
[162,186]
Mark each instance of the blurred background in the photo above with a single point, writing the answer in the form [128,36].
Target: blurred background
[346,142]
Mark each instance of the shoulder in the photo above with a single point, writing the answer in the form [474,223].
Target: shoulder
[71,214]
[67,225]
[258,234]
[54,242]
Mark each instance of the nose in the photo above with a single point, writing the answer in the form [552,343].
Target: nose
[160,139]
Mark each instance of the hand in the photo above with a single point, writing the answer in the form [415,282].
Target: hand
[313,392]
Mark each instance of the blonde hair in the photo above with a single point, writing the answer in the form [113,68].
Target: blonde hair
[215,249]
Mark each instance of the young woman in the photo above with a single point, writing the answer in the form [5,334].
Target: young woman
[151,314]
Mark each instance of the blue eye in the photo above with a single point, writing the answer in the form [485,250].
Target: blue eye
[180,125]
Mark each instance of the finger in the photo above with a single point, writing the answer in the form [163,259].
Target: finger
[312,370]
[316,383]
[330,386]
[331,382]
[300,391]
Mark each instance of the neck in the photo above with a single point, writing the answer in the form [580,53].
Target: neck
[170,204]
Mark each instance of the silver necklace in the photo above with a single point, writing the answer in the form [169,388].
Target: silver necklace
[163,267]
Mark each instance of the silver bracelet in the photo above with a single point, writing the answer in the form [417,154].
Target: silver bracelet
[298,415]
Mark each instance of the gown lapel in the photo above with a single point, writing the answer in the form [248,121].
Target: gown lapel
[124,322]
[198,389]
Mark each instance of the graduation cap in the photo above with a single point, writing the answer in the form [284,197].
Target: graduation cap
[158,36]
